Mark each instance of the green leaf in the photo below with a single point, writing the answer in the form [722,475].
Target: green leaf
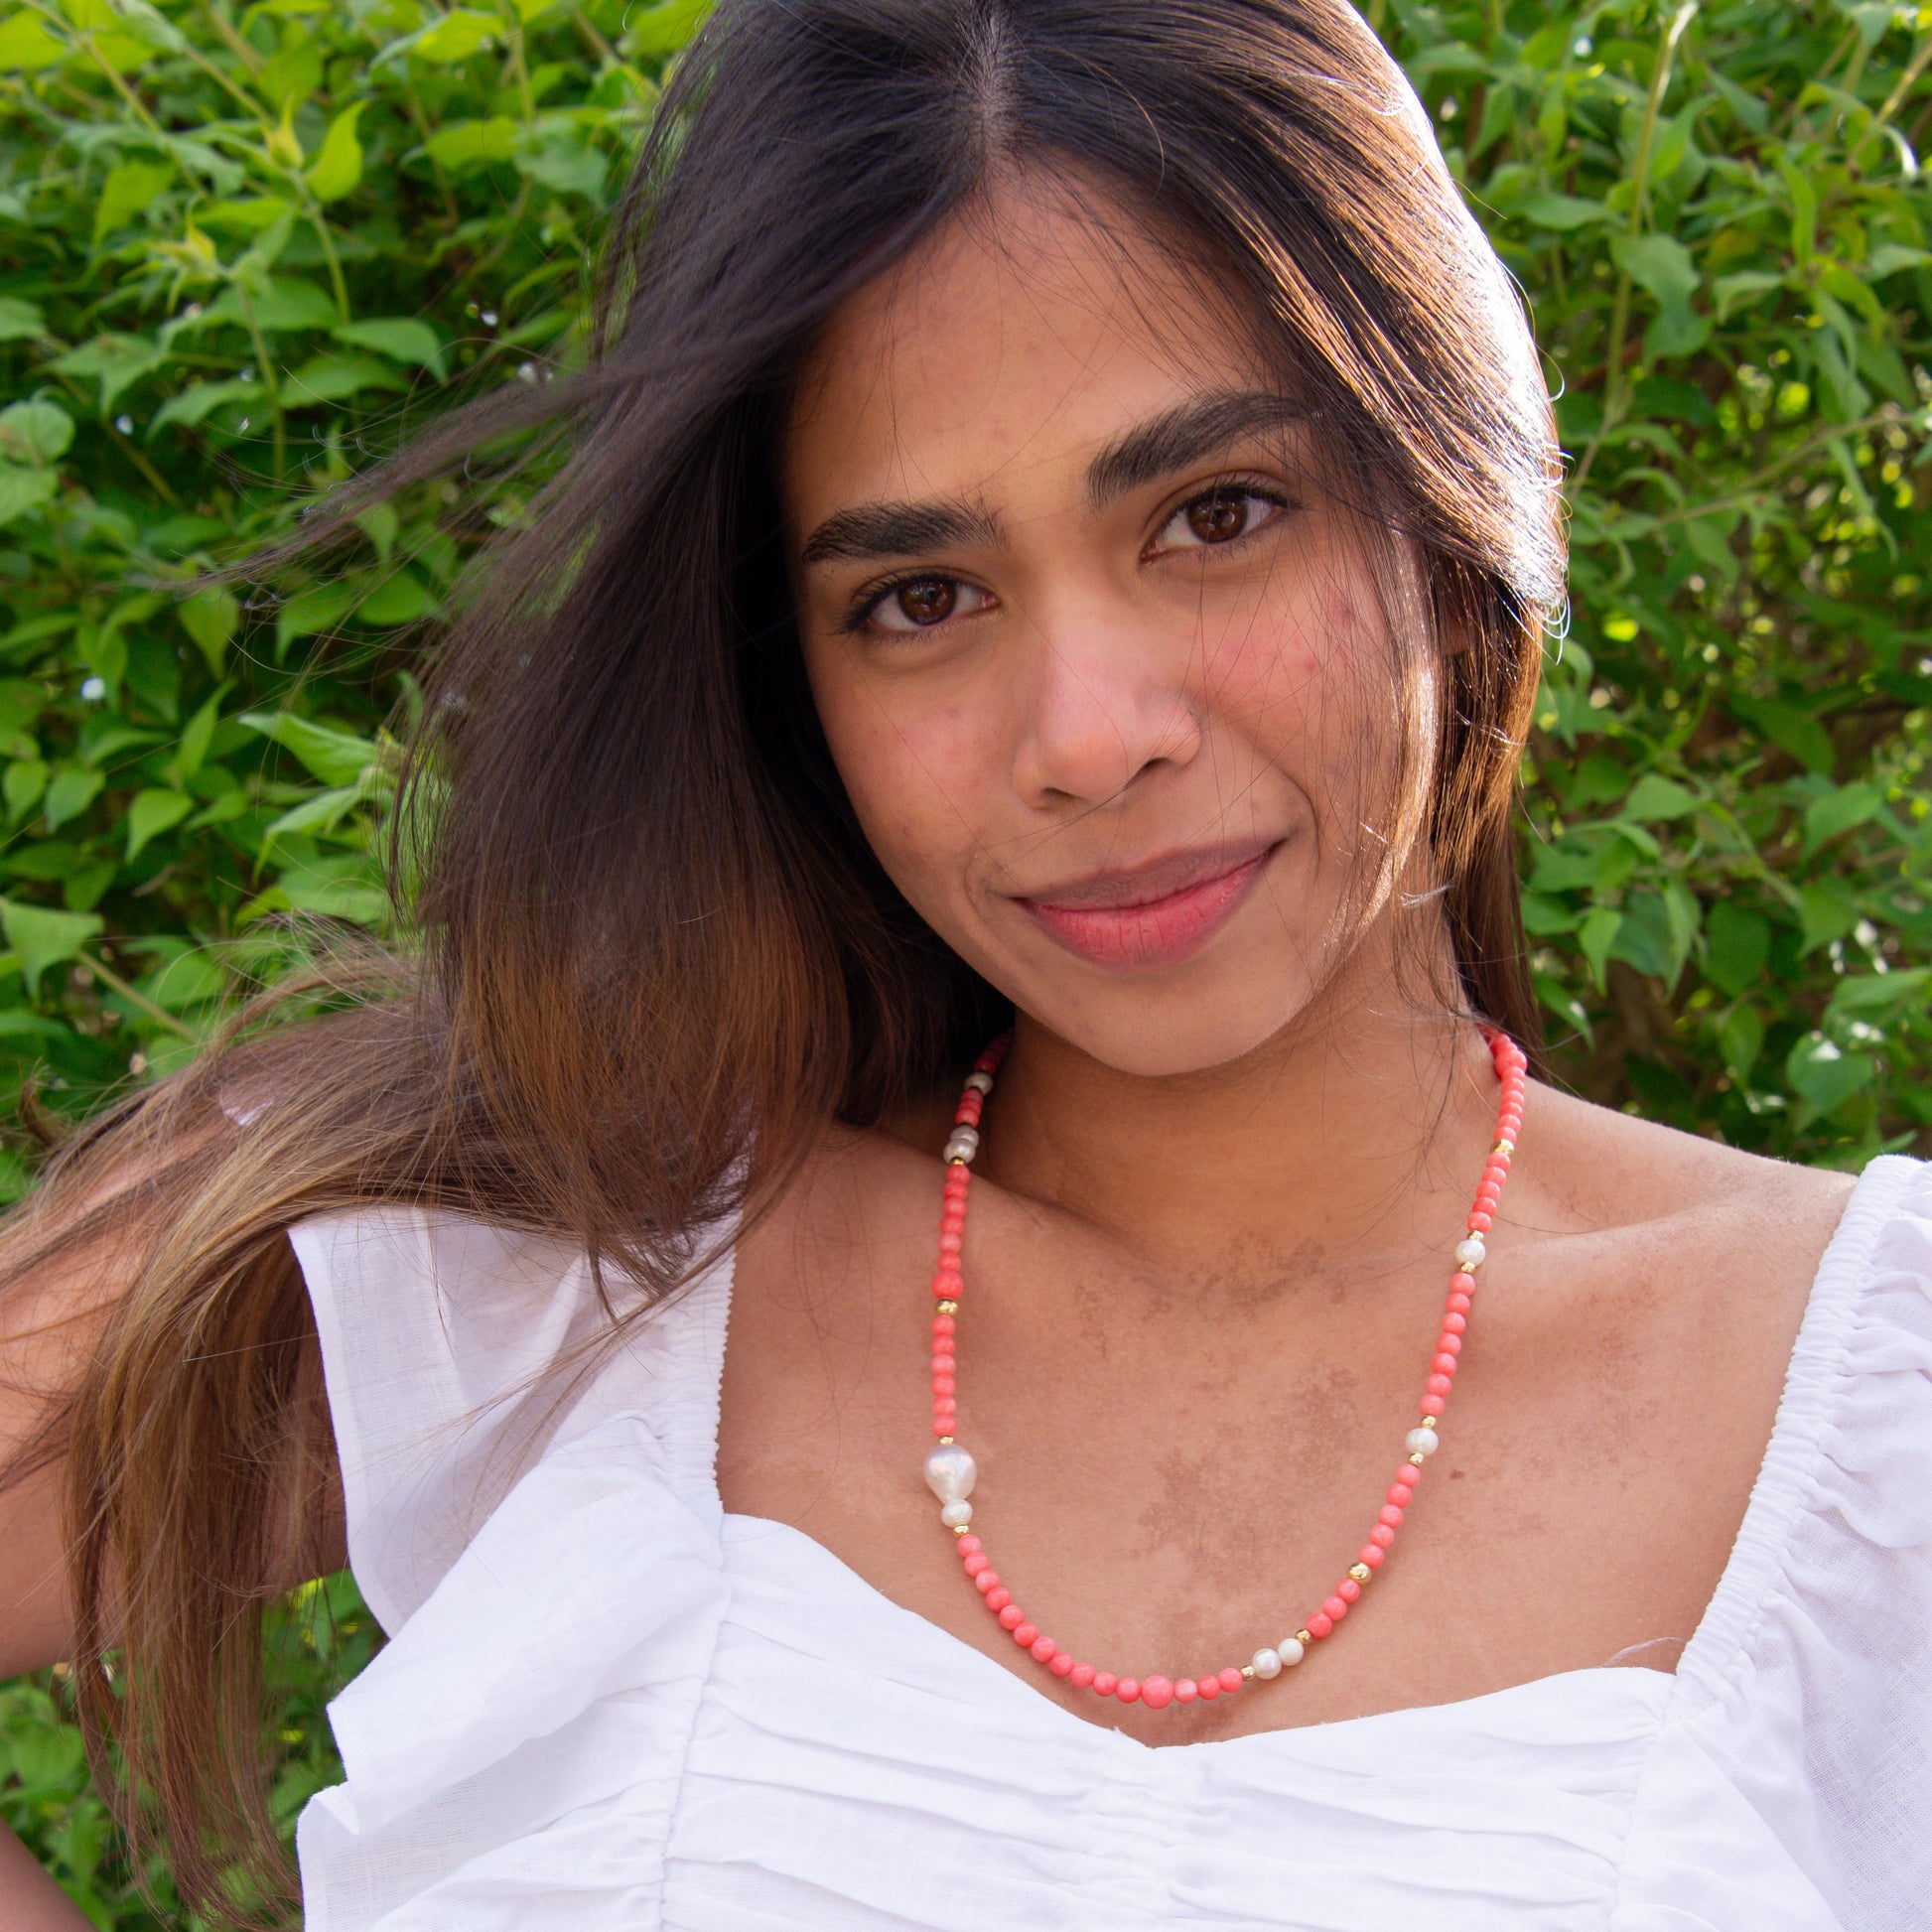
[129,189]
[41,939]
[22,490]
[653,31]
[337,758]
[277,304]
[210,616]
[36,433]
[461,33]
[1561,213]
[1736,947]
[345,888]
[401,599]
[1825,912]
[564,165]
[116,361]
[1740,1040]
[24,781]
[337,168]
[1594,939]
[1654,798]
[1824,1075]
[1789,729]
[469,144]
[404,338]
[20,322]
[319,608]
[26,45]
[192,404]
[1838,810]
[153,812]
[1661,265]
[330,378]
[69,793]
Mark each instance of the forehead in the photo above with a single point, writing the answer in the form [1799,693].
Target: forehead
[1025,333]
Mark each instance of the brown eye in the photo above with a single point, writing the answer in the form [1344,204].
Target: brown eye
[922,604]
[1217,518]
[931,599]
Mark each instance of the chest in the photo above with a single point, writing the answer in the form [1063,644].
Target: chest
[1176,1473]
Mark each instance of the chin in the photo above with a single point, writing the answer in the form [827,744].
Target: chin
[1169,1033]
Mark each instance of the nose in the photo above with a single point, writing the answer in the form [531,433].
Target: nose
[1104,706]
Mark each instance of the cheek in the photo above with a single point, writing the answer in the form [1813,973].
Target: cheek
[919,768]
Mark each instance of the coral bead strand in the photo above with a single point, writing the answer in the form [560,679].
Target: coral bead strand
[951,1472]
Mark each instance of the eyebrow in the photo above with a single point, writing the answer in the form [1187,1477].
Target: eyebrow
[1183,435]
[874,530]
[1150,451]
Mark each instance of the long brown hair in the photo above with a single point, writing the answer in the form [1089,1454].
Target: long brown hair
[648,924]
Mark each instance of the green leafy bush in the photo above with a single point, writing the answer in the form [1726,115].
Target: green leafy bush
[242,252]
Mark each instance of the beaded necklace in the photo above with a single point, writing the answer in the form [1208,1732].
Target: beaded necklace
[950,1471]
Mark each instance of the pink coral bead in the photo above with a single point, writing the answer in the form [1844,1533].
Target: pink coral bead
[1105,1684]
[1156,1691]
[1231,1679]
[1081,1675]
[1127,1688]
[1011,1616]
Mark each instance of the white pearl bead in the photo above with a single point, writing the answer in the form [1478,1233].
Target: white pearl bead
[956,1515]
[1420,1441]
[980,1082]
[965,1142]
[1469,1252]
[950,1472]
[1266,1663]
[1290,1652]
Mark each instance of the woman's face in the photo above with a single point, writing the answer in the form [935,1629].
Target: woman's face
[1103,670]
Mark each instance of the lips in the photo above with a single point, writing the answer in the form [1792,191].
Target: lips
[1150,916]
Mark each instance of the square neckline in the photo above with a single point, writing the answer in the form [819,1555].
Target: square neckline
[1811,1379]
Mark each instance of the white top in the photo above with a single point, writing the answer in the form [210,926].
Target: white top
[608,1705]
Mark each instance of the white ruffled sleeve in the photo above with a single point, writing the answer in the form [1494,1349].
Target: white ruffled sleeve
[1803,1707]
[541,1543]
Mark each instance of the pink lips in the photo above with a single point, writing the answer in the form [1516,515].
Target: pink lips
[1152,916]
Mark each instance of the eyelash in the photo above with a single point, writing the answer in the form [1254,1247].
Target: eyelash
[870,598]
[875,594]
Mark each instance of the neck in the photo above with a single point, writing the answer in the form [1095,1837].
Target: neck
[1355,1134]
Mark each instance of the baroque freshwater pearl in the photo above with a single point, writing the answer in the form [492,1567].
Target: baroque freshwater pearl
[950,1472]
[956,1515]
[1420,1441]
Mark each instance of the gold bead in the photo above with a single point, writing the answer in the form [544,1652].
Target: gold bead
[959,1529]
[1360,1571]
[1248,1671]
[1304,1638]
[1504,1146]
[1428,1422]
[1419,1458]
[945,1438]
[947,1308]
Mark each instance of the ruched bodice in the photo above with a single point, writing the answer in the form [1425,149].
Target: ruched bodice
[607,1705]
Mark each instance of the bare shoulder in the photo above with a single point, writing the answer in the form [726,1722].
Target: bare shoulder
[1674,1241]
[1616,1170]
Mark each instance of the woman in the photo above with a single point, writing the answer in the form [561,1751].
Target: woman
[1022,678]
